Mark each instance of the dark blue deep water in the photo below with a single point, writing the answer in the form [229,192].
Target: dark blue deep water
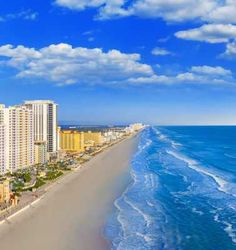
[183,193]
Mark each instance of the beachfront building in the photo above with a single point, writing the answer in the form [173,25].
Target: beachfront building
[16,138]
[93,138]
[3,153]
[3,158]
[45,124]
[112,135]
[4,191]
[58,138]
[20,140]
[40,149]
[72,141]
[136,126]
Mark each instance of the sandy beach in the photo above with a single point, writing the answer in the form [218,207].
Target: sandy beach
[71,215]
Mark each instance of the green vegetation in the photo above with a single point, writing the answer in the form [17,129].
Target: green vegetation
[39,183]
[21,179]
[53,175]
[26,177]
[17,186]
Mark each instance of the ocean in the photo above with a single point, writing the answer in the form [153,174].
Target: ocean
[183,192]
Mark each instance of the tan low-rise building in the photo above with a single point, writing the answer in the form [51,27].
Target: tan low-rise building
[93,137]
[5,191]
[72,141]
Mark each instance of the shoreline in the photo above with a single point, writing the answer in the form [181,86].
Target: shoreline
[117,180]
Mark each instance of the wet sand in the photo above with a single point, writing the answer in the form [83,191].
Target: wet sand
[72,214]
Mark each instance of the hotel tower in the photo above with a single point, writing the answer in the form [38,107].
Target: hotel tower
[3,153]
[45,124]
[16,138]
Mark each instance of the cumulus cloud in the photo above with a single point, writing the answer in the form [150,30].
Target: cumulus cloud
[196,75]
[224,13]
[207,74]
[107,8]
[169,10]
[160,52]
[64,64]
[207,70]
[211,33]
[218,16]
[230,51]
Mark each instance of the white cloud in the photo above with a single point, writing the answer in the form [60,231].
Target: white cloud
[25,15]
[207,70]
[80,4]
[160,52]
[230,51]
[107,8]
[218,16]
[224,13]
[169,10]
[206,74]
[63,64]
[172,10]
[196,75]
[211,33]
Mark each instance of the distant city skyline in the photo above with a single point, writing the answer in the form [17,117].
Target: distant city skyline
[108,62]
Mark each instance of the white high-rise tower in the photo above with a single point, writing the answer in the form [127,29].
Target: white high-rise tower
[45,123]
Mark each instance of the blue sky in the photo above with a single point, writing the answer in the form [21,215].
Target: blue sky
[117,61]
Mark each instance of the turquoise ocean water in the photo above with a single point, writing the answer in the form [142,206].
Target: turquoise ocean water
[183,192]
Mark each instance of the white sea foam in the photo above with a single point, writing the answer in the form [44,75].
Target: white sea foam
[150,181]
[216,218]
[146,217]
[195,166]
[142,147]
[121,221]
[230,231]
[165,138]
[230,156]
[147,238]
[175,144]
[228,227]
[134,177]
[150,204]
[232,206]
[194,210]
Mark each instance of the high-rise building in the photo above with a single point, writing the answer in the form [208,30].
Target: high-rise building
[45,123]
[3,153]
[3,159]
[136,126]
[20,138]
[16,138]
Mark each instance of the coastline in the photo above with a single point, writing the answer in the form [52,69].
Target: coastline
[67,209]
